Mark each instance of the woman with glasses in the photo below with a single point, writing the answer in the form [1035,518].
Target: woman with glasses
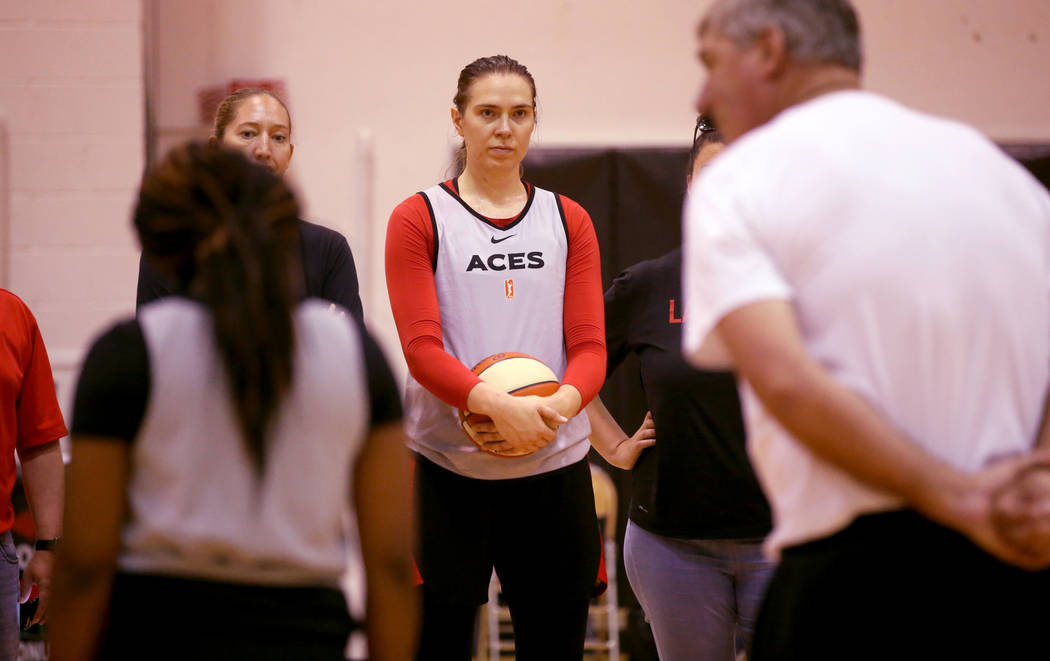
[697,516]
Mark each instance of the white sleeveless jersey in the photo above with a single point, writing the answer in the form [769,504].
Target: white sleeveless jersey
[197,506]
[499,289]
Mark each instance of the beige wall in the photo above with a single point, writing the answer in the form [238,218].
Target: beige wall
[986,62]
[378,78]
[71,101]
[370,84]
[375,80]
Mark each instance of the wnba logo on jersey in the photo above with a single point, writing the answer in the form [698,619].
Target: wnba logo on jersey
[508,288]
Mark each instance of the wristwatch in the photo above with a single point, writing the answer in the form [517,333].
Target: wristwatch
[47,544]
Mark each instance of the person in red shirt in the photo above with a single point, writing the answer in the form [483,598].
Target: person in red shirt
[480,264]
[31,425]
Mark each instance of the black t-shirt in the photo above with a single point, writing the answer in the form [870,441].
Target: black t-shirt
[114,384]
[328,269]
[696,482]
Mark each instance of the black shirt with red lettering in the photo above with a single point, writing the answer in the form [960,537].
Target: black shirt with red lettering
[696,482]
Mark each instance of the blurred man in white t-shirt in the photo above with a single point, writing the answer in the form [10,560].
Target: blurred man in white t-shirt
[880,278]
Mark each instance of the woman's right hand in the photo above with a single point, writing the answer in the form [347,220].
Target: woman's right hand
[518,424]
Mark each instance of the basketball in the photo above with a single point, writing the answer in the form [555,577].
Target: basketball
[518,374]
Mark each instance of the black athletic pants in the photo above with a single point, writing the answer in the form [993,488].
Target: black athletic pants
[160,618]
[541,535]
[897,586]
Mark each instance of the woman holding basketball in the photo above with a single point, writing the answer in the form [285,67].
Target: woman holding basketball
[481,264]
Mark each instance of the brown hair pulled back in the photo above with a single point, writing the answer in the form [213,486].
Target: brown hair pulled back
[226,229]
[227,110]
[479,68]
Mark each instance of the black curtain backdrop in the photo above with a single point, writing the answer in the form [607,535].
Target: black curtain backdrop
[634,196]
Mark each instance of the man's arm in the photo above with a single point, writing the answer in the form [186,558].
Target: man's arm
[43,476]
[839,426]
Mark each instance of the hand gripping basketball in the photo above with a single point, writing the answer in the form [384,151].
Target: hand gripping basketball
[517,374]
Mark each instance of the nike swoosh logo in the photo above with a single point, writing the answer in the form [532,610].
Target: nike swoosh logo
[495,240]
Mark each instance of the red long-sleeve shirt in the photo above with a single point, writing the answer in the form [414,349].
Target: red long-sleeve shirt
[413,299]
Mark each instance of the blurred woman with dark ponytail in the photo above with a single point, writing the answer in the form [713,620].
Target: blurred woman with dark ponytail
[218,439]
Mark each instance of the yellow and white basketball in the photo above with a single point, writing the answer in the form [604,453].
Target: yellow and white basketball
[516,373]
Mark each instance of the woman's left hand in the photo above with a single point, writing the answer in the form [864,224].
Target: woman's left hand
[625,454]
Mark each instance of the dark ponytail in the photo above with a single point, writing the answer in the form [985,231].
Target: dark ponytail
[226,230]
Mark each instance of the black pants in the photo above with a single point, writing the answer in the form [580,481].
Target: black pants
[544,630]
[897,586]
[158,617]
[541,535]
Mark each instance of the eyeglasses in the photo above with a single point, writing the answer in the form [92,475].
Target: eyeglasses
[702,127]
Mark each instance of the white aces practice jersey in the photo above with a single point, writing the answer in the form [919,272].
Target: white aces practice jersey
[499,290]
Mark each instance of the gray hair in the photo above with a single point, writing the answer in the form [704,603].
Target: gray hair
[814,30]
